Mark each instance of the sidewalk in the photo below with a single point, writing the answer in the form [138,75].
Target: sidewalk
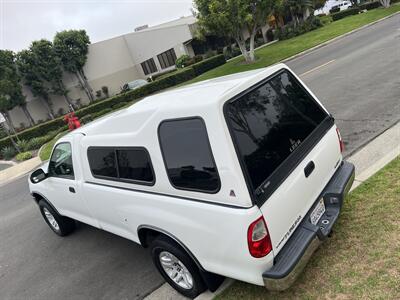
[19,170]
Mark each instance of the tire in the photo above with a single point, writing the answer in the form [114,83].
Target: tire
[62,226]
[164,246]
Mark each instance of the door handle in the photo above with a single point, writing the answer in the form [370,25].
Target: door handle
[71,189]
[309,169]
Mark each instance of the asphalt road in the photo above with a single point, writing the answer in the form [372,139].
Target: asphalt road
[360,85]
[357,78]
[4,166]
[89,264]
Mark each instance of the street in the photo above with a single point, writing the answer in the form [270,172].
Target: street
[357,78]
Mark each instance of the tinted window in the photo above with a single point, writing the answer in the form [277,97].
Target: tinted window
[167,58]
[149,66]
[134,164]
[270,122]
[60,164]
[102,162]
[187,155]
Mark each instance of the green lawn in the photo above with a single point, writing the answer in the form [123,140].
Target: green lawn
[361,260]
[278,51]
[45,152]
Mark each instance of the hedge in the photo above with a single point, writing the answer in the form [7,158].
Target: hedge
[369,5]
[334,10]
[208,64]
[345,13]
[171,80]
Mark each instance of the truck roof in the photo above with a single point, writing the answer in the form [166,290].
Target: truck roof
[179,102]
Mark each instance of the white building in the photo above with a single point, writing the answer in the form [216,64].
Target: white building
[116,61]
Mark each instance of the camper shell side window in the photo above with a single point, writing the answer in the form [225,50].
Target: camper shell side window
[187,155]
[124,164]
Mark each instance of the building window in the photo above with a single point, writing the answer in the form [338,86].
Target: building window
[149,66]
[167,59]
[126,164]
[187,155]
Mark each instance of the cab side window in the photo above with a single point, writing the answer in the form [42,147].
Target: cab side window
[60,164]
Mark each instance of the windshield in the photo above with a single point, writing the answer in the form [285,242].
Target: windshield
[269,123]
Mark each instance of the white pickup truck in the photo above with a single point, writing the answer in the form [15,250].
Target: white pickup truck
[240,176]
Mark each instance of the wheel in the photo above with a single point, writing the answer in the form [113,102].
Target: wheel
[176,266]
[59,224]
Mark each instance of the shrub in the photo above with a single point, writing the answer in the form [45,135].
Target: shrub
[119,105]
[290,31]
[35,143]
[208,64]
[325,19]
[86,119]
[182,61]
[8,152]
[197,58]
[22,145]
[369,5]
[3,132]
[334,10]
[163,74]
[345,13]
[105,91]
[101,113]
[23,156]
[210,53]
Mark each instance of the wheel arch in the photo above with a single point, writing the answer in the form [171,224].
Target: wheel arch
[38,196]
[147,233]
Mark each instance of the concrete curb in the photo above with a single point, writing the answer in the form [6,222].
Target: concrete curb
[8,162]
[308,51]
[19,170]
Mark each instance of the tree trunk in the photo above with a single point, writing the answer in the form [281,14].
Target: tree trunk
[242,47]
[293,19]
[27,114]
[385,3]
[66,97]
[12,129]
[86,85]
[82,84]
[71,105]
[47,103]
[251,52]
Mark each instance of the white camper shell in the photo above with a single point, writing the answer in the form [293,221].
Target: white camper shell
[240,176]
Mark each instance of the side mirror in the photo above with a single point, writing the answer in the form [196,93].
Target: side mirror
[38,176]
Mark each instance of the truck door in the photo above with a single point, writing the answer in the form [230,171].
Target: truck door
[62,188]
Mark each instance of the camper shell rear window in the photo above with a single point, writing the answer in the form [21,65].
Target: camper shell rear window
[273,125]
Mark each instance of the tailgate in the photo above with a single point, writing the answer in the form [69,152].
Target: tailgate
[290,202]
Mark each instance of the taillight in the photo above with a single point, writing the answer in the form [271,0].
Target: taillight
[341,143]
[258,238]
